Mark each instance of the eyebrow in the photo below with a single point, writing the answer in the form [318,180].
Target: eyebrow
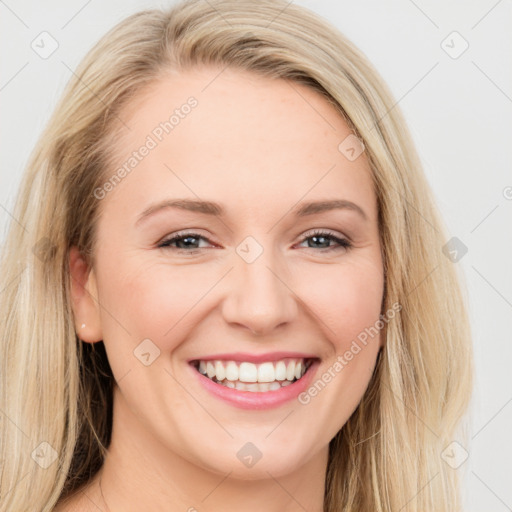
[215,209]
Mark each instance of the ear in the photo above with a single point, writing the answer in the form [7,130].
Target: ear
[84,298]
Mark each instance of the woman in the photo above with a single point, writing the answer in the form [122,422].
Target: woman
[226,286]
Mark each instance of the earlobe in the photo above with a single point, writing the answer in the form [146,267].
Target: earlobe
[84,298]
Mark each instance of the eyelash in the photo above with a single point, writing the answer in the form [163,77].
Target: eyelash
[343,243]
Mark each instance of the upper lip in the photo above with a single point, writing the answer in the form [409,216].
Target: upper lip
[254,358]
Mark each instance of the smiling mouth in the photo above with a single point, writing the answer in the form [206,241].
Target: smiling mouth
[245,376]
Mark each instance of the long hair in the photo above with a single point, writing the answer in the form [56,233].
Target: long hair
[56,392]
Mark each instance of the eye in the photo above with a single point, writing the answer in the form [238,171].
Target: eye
[325,237]
[183,241]
[189,242]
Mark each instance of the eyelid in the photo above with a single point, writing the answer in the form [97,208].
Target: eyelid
[341,241]
[324,231]
[183,234]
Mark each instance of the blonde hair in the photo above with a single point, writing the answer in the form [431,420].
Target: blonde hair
[57,390]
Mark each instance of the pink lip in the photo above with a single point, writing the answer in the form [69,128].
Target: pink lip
[258,400]
[252,358]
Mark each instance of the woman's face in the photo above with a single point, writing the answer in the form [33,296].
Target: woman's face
[244,159]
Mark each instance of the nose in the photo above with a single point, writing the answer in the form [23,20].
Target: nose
[259,297]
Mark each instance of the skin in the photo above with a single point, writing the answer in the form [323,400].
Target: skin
[259,148]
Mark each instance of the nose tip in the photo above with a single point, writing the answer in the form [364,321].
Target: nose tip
[259,299]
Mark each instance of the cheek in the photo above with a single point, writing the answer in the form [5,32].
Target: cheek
[347,298]
[349,305]
[152,300]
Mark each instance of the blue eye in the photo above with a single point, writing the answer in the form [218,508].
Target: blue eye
[323,237]
[189,242]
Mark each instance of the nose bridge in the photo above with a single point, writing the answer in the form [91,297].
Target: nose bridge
[259,298]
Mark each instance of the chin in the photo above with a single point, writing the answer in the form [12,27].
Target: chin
[267,466]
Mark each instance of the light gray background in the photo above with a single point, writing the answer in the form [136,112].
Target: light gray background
[459,111]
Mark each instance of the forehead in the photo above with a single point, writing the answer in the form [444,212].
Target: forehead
[244,138]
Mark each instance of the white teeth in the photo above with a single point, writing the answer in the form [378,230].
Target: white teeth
[290,371]
[247,376]
[232,371]
[210,370]
[298,370]
[255,386]
[266,373]
[220,373]
[280,371]
[248,372]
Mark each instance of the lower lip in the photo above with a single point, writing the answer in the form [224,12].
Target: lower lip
[258,399]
